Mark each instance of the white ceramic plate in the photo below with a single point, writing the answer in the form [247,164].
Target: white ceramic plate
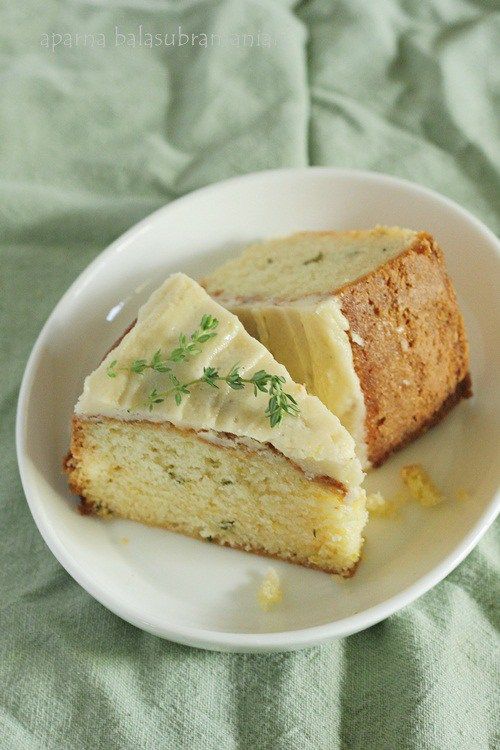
[203,595]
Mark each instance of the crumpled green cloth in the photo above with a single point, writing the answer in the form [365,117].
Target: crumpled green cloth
[92,138]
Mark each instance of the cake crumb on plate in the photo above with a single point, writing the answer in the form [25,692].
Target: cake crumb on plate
[270,591]
[377,505]
[421,486]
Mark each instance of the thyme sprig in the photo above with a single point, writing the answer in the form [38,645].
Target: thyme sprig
[279,404]
[187,347]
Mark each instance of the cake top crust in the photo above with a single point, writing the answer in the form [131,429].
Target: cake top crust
[307,263]
[314,440]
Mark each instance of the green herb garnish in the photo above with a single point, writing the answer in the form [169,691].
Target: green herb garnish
[279,404]
[316,259]
[187,348]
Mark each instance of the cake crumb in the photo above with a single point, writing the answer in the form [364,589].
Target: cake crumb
[421,486]
[270,592]
[377,505]
[124,540]
[462,495]
[357,339]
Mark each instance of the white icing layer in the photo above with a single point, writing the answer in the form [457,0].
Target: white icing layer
[310,337]
[315,440]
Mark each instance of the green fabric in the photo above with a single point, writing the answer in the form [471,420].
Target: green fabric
[93,139]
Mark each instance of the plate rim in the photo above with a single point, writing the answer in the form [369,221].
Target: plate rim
[222,640]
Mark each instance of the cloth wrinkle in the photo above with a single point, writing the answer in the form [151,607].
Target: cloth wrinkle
[94,139]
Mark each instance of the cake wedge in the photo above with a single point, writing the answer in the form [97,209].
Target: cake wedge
[367,319]
[190,424]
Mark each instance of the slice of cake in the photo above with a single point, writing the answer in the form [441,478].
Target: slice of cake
[367,320]
[190,424]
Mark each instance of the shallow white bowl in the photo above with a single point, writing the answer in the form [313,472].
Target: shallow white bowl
[203,595]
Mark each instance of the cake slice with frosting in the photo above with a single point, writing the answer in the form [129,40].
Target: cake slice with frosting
[366,319]
[190,424]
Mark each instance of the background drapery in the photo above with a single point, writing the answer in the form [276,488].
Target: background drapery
[96,133]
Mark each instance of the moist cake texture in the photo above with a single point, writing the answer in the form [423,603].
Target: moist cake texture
[367,320]
[211,466]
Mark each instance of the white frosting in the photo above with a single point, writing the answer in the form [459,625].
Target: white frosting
[315,440]
[310,336]
[359,340]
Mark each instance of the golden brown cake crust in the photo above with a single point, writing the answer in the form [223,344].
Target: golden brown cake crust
[413,364]
[407,336]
